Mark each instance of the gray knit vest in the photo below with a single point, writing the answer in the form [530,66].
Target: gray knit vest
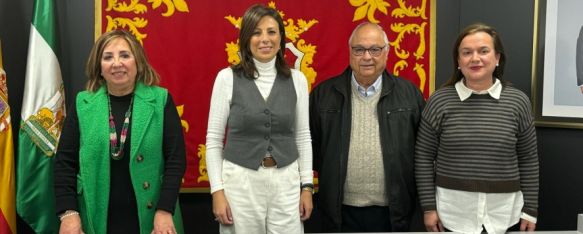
[257,127]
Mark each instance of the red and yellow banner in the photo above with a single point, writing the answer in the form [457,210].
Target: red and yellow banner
[188,42]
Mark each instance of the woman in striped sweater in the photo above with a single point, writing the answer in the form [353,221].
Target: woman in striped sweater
[476,161]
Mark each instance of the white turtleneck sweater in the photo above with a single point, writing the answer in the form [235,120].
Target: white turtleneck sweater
[219,114]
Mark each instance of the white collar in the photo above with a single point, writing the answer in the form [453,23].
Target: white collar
[464,92]
[265,68]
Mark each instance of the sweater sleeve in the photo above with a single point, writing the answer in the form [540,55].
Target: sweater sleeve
[217,122]
[528,165]
[303,138]
[425,154]
[174,157]
[67,163]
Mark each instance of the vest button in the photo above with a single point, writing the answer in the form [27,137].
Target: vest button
[267,125]
[146,185]
[140,158]
[266,137]
[150,205]
[269,148]
[266,111]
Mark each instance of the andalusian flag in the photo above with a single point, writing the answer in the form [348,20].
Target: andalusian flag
[7,209]
[42,120]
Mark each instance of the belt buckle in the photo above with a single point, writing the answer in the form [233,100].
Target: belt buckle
[263,162]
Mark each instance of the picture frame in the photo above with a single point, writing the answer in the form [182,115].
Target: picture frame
[557,98]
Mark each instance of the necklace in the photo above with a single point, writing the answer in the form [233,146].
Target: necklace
[115,149]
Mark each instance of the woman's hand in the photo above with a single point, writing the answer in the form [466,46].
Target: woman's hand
[71,225]
[221,208]
[306,205]
[432,222]
[163,223]
[526,225]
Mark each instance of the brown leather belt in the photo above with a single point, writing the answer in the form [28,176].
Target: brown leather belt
[268,162]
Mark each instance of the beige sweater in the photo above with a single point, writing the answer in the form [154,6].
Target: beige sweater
[365,178]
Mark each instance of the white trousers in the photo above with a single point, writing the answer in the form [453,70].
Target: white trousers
[262,201]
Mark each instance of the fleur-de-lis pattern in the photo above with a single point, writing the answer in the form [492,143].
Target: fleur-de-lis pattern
[293,30]
[183,122]
[368,8]
[135,24]
[202,171]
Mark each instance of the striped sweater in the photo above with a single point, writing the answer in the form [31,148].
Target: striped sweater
[479,145]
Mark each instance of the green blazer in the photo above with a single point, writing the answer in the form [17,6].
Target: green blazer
[94,160]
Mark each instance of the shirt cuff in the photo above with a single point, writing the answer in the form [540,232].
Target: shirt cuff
[528,217]
[217,188]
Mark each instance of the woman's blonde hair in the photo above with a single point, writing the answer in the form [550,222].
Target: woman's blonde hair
[145,72]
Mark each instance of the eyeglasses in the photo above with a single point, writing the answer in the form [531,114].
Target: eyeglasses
[373,51]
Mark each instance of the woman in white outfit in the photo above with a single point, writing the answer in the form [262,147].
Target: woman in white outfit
[259,154]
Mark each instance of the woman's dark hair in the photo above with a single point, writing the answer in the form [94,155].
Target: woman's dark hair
[250,20]
[498,47]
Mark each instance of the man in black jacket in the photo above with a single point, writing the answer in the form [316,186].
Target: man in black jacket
[364,124]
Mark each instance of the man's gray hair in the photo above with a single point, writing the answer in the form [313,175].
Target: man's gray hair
[385,38]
